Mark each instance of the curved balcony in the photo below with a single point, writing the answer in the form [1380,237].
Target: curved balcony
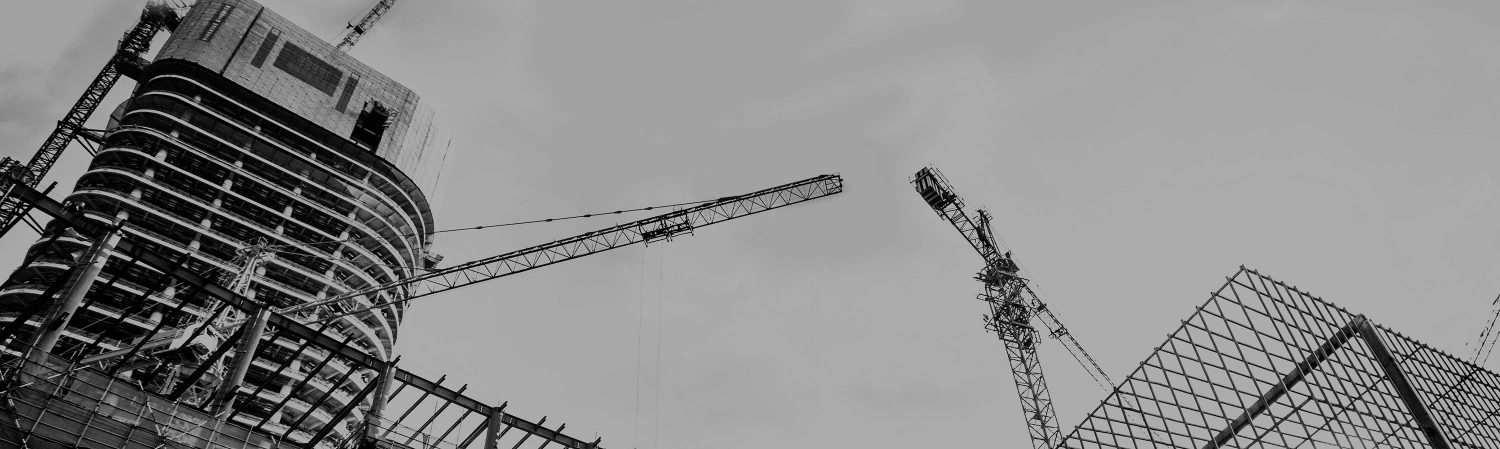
[138,177]
[173,84]
[372,338]
[288,148]
[218,187]
[399,309]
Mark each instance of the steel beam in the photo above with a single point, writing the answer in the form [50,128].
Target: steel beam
[1414,405]
[37,306]
[301,383]
[507,419]
[205,365]
[434,416]
[294,328]
[134,349]
[1290,380]
[344,411]
[140,301]
[332,390]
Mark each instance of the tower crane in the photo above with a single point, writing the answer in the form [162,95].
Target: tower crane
[658,228]
[652,229]
[127,60]
[1012,306]
[358,30]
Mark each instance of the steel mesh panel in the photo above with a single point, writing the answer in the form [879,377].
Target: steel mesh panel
[1464,398]
[1265,365]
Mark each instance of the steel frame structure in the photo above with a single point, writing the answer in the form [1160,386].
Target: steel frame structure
[362,374]
[52,400]
[1263,364]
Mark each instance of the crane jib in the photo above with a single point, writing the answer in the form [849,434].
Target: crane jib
[660,227]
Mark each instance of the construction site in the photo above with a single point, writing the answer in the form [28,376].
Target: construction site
[233,268]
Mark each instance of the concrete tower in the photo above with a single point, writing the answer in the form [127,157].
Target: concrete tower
[247,127]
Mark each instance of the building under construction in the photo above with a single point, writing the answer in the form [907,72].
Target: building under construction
[232,269]
[246,128]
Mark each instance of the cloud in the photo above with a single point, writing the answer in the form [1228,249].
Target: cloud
[873,16]
[38,86]
[1275,15]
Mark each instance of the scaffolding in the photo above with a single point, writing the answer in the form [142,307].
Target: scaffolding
[1265,365]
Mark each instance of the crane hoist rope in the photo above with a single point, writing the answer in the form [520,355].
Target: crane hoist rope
[499,225]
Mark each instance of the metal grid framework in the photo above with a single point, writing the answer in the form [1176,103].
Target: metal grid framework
[1265,365]
[54,400]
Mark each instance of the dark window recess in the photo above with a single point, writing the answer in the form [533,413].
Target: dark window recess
[371,124]
[348,90]
[265,48]
[215,21]
[308,68]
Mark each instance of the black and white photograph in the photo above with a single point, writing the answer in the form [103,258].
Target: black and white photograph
[737,224]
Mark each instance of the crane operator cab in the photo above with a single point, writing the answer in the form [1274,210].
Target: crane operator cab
[1007,265]
[1002,270]
[932,190]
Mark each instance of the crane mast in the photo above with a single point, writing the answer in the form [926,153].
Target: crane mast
[127,60]
[358,30]
[1012,305]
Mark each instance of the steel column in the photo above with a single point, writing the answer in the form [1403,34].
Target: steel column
[244,356]
[1290,380]
[1403,387]
[57,318]
[377,406]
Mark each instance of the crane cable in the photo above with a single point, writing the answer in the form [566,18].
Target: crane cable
[513,223]
[1124,400]
[640,317]
[1486,336]
[640,320]
[661,266]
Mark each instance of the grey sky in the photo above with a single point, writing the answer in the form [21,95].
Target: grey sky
[1133,156]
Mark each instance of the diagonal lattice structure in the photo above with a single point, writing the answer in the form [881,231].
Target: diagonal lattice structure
[1265,365]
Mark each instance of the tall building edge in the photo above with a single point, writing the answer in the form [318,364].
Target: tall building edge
[246,127]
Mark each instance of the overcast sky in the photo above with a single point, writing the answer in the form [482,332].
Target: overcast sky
[1133,157]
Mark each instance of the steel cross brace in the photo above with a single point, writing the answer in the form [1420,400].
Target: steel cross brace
[1358,327]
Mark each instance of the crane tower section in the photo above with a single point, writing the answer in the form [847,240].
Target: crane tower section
[1006,294]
